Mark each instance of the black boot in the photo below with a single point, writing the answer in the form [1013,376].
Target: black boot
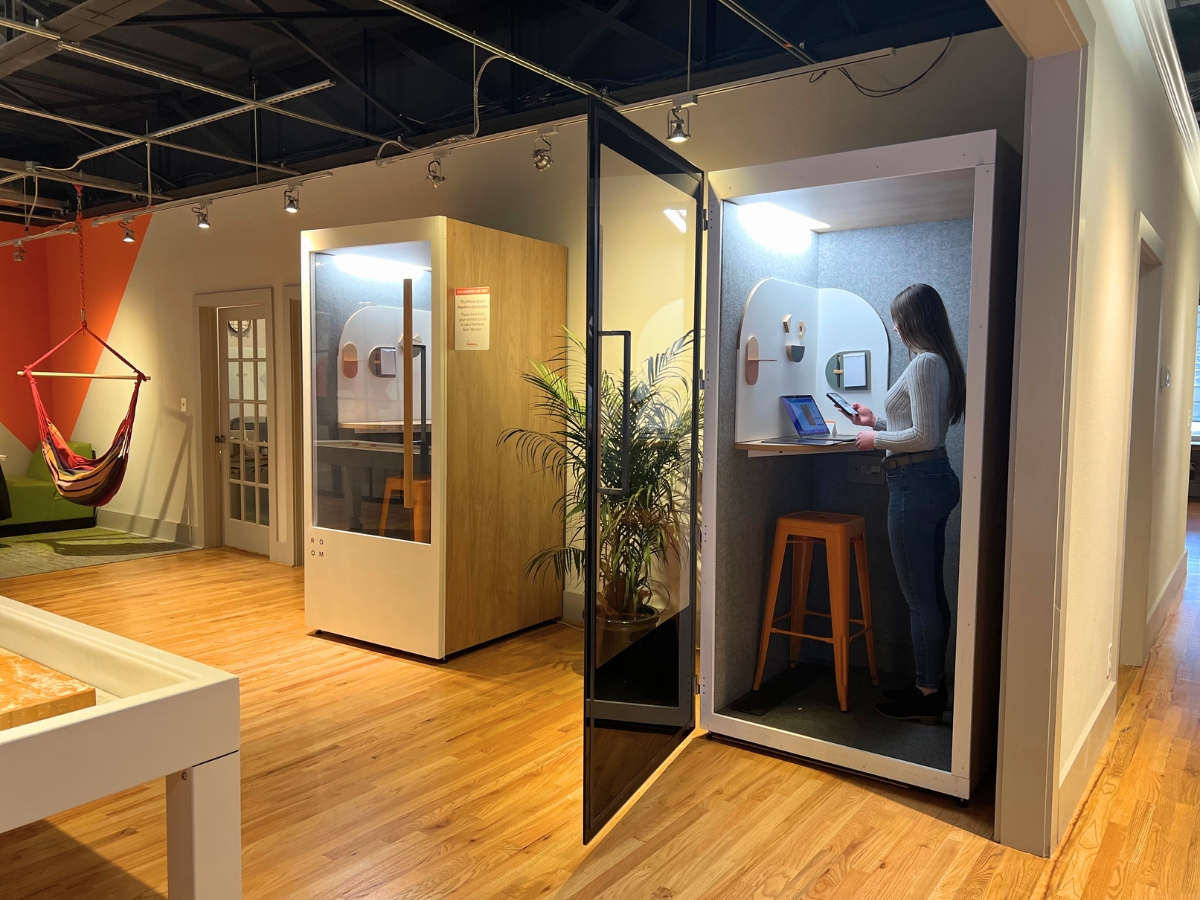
[901,693]
[916,707]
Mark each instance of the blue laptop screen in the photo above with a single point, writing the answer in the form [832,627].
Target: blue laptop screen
[805,415]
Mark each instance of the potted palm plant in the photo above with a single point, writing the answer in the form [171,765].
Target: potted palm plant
[640,529]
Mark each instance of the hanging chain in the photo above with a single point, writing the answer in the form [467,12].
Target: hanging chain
[79,235]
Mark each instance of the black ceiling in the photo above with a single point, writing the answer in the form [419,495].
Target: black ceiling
[393,75]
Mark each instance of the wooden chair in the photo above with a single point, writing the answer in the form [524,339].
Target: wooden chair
[422,498]
[802,530]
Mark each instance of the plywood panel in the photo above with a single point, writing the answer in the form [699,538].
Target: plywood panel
[499,512]
[30,692]
[903,200]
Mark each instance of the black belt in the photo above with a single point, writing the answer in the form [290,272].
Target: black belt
[900,460]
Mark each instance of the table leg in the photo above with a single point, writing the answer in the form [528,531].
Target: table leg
[204,831]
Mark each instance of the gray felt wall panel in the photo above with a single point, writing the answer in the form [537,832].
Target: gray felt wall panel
[876,264]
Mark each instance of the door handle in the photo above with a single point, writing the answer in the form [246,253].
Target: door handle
[219,439]
[627,339]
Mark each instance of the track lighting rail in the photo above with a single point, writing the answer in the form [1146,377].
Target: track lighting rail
[769,32]
[205,200]
[16,198]
[495,49]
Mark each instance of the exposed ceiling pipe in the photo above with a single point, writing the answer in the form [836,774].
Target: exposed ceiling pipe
[495,49]
[133,140]
[11,197]
[28,170]
[796,50]
[69,47]
[21,217]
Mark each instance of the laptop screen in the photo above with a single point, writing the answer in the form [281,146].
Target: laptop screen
[805,415]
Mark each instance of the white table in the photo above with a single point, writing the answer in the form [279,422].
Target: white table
[168,717]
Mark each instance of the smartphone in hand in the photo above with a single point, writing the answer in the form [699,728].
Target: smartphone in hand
[842,404]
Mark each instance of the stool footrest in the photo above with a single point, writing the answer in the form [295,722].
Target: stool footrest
[817,637]
[807,612]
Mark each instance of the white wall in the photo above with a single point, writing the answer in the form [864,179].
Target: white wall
[1105,152]
[252,243]
[1134,165]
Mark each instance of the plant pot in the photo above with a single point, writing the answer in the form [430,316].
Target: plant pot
[616,631]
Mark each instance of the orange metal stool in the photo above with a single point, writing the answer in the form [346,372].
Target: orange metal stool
[422,496]
[838,532]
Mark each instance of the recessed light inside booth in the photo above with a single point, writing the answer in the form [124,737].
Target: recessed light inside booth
[378,268]
[778,229]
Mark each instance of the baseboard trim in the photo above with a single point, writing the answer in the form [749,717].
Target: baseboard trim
[1076,771]
[1156,616]
[46,527]
[178,532]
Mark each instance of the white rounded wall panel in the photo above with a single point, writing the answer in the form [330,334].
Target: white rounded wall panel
[788,333]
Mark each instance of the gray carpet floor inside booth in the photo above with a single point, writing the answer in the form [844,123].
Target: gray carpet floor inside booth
[804,701]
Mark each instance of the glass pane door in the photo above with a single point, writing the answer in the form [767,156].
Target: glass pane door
[244,431]
[643,410]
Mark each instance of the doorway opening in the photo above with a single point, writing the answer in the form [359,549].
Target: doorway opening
[244,441]
[238,414]
[1148,380]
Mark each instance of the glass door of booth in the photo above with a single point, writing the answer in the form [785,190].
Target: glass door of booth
[643,416]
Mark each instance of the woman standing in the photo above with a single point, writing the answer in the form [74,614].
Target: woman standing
[923,490]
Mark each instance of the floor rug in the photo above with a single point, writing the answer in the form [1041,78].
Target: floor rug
[32,554]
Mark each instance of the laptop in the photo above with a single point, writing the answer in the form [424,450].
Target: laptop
[810,424]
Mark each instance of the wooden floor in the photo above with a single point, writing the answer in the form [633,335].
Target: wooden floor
[367,774]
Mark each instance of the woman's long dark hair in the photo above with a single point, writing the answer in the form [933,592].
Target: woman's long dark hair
[920,317]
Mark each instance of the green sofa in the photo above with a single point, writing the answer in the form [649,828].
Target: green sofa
[35,500]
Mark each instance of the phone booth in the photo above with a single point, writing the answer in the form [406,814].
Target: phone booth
[803,260]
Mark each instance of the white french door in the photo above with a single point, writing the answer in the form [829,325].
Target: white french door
[244,434]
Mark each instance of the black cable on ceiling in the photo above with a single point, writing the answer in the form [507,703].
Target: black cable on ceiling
[876,93]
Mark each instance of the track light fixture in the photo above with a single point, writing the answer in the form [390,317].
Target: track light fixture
[201,212]
[291,200]
[677,127]
[435,176]
[19,254]
[679,118]
[542,160]
[127,237]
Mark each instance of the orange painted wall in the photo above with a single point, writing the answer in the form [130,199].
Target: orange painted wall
[108,263]
[25,333]
[40,300]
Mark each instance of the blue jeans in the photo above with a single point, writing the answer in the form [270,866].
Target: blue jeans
[921,497]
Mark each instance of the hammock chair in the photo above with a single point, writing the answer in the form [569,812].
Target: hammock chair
[88,482]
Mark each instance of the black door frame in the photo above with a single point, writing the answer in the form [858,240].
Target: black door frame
[608,128]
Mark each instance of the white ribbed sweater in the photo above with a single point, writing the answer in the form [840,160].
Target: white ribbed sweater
[915,408]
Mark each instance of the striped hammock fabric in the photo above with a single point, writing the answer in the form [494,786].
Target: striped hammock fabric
[88,482]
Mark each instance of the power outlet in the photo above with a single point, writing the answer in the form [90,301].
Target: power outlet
[864,469]
[1110,662]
